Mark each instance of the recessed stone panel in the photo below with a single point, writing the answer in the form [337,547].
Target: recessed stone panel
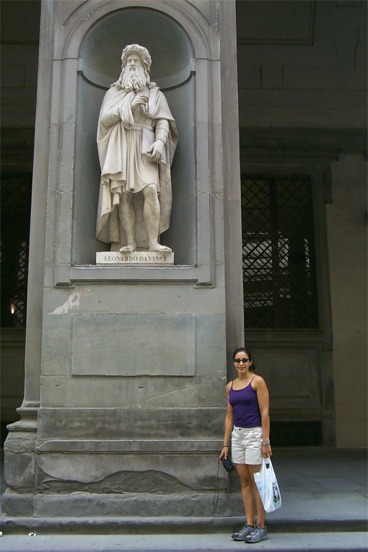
[292,375]
[133,345]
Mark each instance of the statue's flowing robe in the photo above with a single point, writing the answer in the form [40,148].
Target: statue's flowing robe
[122,140]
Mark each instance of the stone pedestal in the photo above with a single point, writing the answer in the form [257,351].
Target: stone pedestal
[145,258]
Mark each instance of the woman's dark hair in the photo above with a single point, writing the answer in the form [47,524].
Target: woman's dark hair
[252,367]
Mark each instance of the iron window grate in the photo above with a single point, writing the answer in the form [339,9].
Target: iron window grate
[15,217]
[279,268]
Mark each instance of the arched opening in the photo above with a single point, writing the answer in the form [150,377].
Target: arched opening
[99,67]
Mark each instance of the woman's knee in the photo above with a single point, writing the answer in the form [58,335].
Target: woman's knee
[245,482]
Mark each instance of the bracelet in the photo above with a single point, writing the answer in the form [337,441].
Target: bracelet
[265,444]
[225,446]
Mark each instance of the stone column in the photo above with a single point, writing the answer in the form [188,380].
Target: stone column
[19,448]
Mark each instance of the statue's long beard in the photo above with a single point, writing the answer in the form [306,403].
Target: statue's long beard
[132,80]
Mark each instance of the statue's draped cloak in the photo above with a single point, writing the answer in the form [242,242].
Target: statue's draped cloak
[122,141]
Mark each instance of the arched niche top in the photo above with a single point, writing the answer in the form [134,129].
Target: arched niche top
[102,45]
[77,22]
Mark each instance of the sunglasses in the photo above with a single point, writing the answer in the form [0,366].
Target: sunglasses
[239,360]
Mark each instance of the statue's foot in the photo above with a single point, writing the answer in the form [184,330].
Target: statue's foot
[129,248]
[158,248]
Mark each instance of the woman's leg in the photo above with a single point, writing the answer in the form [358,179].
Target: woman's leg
[261,514]
[247,483]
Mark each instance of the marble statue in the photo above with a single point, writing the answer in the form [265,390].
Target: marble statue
[136,140]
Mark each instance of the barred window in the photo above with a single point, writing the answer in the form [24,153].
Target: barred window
[279,268]
[15,215]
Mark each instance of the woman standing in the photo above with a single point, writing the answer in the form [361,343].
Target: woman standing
[247,423]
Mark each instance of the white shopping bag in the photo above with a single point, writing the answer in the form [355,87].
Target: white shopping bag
[268,487]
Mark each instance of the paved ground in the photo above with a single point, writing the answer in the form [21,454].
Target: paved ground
[324,493]
[181,543]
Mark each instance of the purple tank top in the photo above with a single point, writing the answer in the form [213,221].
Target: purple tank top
[245,407]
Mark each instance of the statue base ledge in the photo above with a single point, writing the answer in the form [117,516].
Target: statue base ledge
[148,258]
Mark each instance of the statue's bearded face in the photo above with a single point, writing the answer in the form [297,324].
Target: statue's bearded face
[133,76]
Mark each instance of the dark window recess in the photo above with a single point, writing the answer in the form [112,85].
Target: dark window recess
[293,434]
[15,217]
[279,269]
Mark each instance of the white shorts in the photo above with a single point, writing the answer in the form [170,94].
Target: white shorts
[246,445]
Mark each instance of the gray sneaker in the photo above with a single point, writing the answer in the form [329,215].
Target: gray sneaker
[244,531]
[257,535]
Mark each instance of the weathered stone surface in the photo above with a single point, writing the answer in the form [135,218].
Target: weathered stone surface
[127,367]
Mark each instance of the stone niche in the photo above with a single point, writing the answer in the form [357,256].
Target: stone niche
[173,70]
